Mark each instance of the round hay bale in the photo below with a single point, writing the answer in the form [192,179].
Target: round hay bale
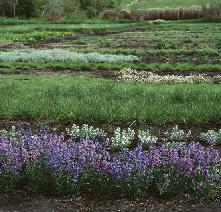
[55,18]
[124,14]
[109,15]
[134,15]
[157,21]
[142,14]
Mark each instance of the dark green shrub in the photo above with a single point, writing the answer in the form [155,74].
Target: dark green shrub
[94,7]
[41,179]
[26,8]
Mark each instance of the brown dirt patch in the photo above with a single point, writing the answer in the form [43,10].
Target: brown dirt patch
[26,203]
[109,74]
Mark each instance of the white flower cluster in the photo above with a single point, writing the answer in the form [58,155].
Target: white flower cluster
[177,135]
[12,133]
[121,139]
[85,132]
[146,138]
[212,137]
[131,75]
[62,55]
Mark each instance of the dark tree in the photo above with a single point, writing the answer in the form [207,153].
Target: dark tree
[6,8]
[26,8]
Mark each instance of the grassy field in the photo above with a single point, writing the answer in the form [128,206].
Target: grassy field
[148,92]
[85,99]
[145,4]
[188,46]
[180,48]
[85,27]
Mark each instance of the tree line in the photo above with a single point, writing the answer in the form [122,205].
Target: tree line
[53,9]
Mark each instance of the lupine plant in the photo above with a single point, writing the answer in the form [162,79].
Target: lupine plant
[50,163]
[212,137]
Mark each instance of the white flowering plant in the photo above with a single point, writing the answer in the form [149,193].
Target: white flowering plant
[146,138]
[177,135]
[85,132]
[130,75]
[212,137]
[12,133]
[121,139]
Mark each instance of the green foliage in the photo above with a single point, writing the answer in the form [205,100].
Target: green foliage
[39,178]
[34,36]
[168,179]
[213,9]
[101,26]
[70,6]
[8,182]
[54,10]
[94,7]
[164,67]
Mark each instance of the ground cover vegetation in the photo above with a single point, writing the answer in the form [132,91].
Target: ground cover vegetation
[151,89]
[51,164]
[185,47]
[61,55]
[65,98]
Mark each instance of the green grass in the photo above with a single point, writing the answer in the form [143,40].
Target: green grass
[156,52]
[163,67]
[73,19]
[145,4]
[81,98]
[175,34]
[33,36]
[84,27]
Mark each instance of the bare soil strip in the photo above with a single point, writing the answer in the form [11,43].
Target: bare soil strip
[25,203]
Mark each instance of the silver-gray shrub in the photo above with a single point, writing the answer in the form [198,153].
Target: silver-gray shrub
[62,55]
